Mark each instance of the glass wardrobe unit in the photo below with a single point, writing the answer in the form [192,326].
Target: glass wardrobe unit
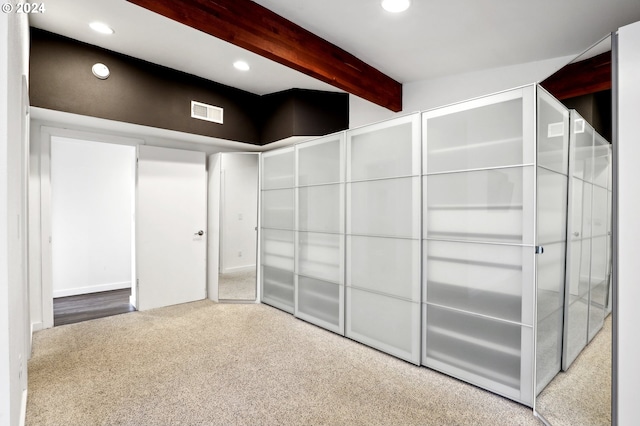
[383,236]
[277,228]
[438,238]
[589,255]
[494,220]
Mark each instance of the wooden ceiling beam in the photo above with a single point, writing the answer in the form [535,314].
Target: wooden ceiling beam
[253,27]
[581,78]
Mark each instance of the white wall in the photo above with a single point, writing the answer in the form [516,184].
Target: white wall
[628,314]
[14,317]
[92,195]
[239,215]
[47,123]
[428,94]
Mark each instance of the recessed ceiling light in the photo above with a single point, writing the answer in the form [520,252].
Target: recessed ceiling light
[396,6]
[101,71]
[241,65]
[101,28]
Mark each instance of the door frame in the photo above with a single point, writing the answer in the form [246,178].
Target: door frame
[46,133]
[215,191]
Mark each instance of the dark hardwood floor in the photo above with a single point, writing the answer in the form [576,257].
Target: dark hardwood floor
[68,310]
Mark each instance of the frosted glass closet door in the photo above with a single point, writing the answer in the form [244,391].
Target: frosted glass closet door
[551,193]
[320,232]
[383,236]
[599,240]
[478,225]
[277,228]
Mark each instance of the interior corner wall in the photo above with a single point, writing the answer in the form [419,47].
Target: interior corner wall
[92,214]
[14,316]
[136,92]
[628,230]
[302,112]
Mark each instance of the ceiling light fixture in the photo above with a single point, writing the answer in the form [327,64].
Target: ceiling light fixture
[101,28]
[101,71]
[241,65]
[396,6]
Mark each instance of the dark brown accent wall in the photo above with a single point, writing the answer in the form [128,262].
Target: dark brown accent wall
[143,93]
[298,112]
[596,109]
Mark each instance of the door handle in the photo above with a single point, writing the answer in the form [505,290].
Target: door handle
[200,233]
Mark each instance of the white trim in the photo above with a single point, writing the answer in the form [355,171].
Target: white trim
[46,133]
[238,269]
[23,408]
[91,289]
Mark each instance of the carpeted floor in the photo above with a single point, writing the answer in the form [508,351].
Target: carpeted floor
[234,364]
[237,285]
[582,395]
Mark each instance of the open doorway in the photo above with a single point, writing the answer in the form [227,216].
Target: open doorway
[92,228]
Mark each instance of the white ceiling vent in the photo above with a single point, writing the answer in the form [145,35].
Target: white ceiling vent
[206,112]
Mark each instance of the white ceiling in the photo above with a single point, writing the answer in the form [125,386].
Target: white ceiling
[432,39]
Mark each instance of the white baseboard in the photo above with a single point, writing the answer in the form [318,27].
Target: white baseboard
[23,408]
[238,269]
[91,289]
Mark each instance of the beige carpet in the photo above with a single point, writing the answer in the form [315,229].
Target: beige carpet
[213,364]
[582,395]
[237,285]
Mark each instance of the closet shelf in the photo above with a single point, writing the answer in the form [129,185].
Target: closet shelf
[498,348]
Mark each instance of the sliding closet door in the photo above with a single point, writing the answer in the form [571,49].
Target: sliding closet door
[576,313]
[478,222]
[319,278]
[278,221]
[599,237]
[551,214]
[383,236]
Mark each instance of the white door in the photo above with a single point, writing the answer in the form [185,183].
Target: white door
[171,223]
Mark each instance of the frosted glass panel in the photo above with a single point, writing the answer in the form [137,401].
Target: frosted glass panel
[382,152]
[278,169]
[386,323]
[552,207]
[601,161]
[582,143]
[320,162]
[599,212]
[481,278]
[277,249]
[577,329]
[549,348]
[585,266]
[485,205]
[277,209]
[587,189]
[278,288]
[385,207]
[476,345]
[320,208]
[551,277]
[385,265]
[598,259]
[487,136]
[574,271]
[553,133]
[319,299]
[575,225]
[320,256]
